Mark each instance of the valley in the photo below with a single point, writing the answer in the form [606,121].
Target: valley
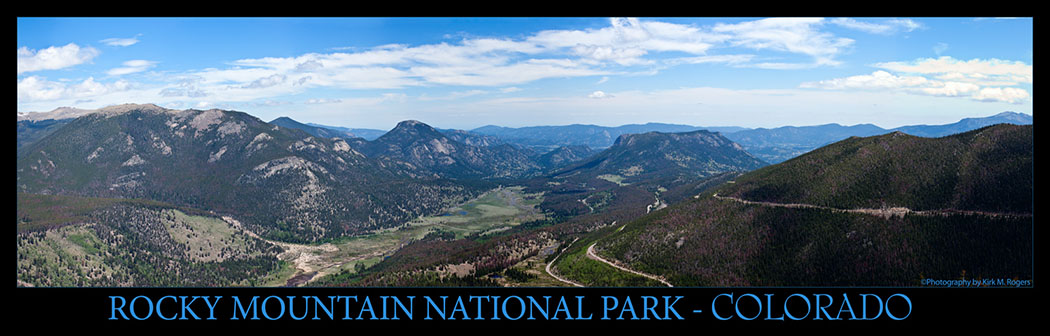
[139,195]
[494,211]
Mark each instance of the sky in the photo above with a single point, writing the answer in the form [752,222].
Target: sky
[469,72]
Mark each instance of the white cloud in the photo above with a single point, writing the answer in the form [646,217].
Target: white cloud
[132,66]
[121,42]
[266,82]
[951,89]
[185,88]
[877,80]
[626,40]
[599,95]
[495,62]
[794,35]
[36,88]
[624,47]
[1007,95]
[309,65]
[322,101]
[269,102]
[727,59]
[994,69]
[54,58]
[885,27]
[978,80]
[469,93]
[33,88]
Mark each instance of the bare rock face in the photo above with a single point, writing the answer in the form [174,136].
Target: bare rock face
[282,183]
[421,150]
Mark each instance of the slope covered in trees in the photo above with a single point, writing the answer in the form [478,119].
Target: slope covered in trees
[979,183]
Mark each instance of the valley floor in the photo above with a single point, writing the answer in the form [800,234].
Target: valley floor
[496,210]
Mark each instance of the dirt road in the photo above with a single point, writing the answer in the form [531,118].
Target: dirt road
[882,212]
[592,255]
[555,276]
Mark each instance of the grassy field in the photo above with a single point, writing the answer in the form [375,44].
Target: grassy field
[63,257]
[206,238]
[496,210]
[613,178]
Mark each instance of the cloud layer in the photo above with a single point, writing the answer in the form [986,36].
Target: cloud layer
[54,58]
[480,67]
[982,80]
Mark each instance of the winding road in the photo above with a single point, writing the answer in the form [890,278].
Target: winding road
[555,276]
[883,212]
[592,255]
[307,258]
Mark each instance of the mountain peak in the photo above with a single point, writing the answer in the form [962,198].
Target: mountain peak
[1014,116]
[124,108]
[413,126]
[411,123]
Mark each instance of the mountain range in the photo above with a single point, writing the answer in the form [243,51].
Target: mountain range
[583,135]
[772,145]
[782,143]
[286,184]
[845,205]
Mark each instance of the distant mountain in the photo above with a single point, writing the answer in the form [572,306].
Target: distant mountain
[366,133]
[471,138]
[818,135]
[56,114]
[281,182]
[320,132]
[653,155]
[33,126]
[778,226]
[551,137]
[564,155]
[29,131]
[779,144]
[967,124]
[421,150]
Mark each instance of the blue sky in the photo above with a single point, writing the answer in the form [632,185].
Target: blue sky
[469,72]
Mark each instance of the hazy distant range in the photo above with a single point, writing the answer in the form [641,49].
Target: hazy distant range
[773,145]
